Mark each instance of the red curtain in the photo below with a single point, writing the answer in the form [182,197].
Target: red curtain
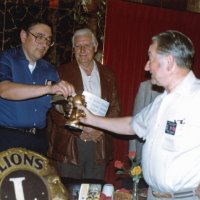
[128,32]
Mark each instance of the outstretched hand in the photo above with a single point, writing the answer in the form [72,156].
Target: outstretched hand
[119,125]
[89,118]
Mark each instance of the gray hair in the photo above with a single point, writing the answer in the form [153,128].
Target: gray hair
[178,45]
[83,32]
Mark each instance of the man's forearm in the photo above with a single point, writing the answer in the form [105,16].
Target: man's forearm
[16,91]
[119,125]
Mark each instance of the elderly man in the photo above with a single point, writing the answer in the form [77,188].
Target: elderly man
[170,125]
[84,155]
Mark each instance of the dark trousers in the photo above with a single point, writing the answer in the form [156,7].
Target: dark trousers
[13,138]
[87,168]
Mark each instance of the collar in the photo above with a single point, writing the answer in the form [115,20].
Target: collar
[94,70]
[185,85]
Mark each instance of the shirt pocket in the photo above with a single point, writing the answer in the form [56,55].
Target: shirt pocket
[186,137]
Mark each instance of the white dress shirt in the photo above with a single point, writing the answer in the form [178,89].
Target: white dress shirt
[92,83]
[171,127]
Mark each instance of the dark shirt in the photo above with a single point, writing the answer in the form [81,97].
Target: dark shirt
[24,113]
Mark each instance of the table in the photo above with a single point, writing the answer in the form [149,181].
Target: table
[73,187]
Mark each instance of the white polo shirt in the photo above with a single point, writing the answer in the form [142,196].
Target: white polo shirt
[171,127]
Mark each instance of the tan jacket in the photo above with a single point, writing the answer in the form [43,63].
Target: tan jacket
[62,142]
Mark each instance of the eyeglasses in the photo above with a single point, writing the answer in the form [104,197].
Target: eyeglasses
[40,39]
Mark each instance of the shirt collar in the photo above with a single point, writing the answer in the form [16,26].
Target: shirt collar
[186,84]
[94,70]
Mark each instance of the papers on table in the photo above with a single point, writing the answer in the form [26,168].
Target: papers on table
[89,191]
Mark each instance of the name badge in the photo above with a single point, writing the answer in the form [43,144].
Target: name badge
[171,127]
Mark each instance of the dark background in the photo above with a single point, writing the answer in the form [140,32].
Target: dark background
[67,16]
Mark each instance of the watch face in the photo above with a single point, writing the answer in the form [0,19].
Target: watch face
[27,175]
[22,185]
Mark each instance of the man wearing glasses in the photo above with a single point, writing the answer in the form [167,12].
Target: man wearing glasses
[24,93]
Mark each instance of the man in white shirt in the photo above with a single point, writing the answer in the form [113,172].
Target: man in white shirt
[170,125]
